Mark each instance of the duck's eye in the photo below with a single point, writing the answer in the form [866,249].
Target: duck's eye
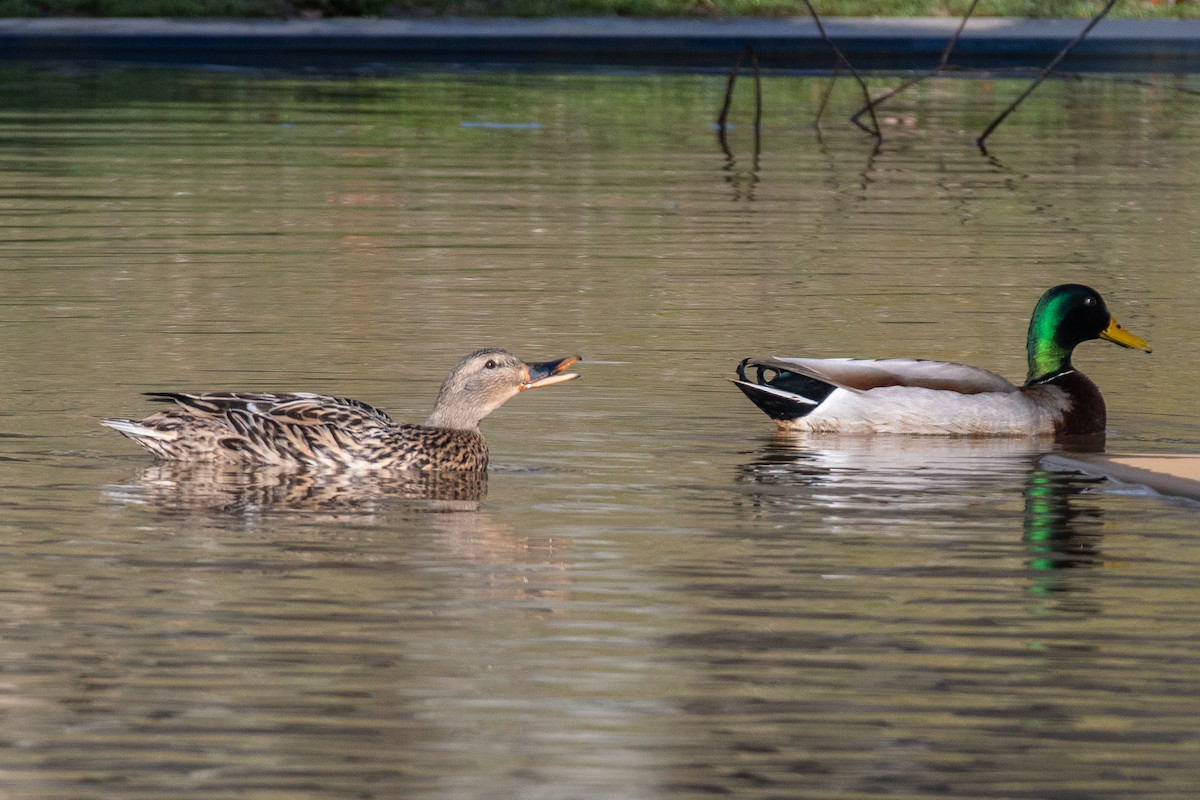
[490,364]
[1089,301]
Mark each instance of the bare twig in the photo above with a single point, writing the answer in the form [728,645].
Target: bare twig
[723,117]
[915,80]
[757,88]
[957,35]
[837,71]
[875,129]
[980,142]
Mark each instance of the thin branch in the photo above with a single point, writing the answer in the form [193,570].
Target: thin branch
[732,177]
[837,71]
[723,117]
[915,80]
[733,74]
[980,142]
[757,88]
[950,45]
[876,131]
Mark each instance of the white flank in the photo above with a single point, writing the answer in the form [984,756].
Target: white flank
[906,409]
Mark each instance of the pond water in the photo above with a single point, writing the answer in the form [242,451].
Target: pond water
[657,597]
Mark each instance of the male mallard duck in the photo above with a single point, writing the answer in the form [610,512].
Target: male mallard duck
[314,431]
[847,395]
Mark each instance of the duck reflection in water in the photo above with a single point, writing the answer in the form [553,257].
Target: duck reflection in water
[881,482]
[1058,534]
[208,487]
[337,519]
[905,473]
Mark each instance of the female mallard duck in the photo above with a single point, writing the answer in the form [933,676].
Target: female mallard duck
[306,430]
[846,395]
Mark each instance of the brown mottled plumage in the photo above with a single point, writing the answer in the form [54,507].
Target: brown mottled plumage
[317,431]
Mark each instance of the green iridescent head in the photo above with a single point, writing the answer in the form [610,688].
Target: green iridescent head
[1065,316]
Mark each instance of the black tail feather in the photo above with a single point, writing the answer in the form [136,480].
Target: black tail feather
[764,388]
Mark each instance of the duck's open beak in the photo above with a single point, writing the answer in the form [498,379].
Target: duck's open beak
[1118,335]
[547,373]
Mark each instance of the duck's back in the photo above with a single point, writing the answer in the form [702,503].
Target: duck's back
[301,429]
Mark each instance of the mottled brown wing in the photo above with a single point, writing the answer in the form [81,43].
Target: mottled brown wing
[323,410]
[297,408]
[313,430]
